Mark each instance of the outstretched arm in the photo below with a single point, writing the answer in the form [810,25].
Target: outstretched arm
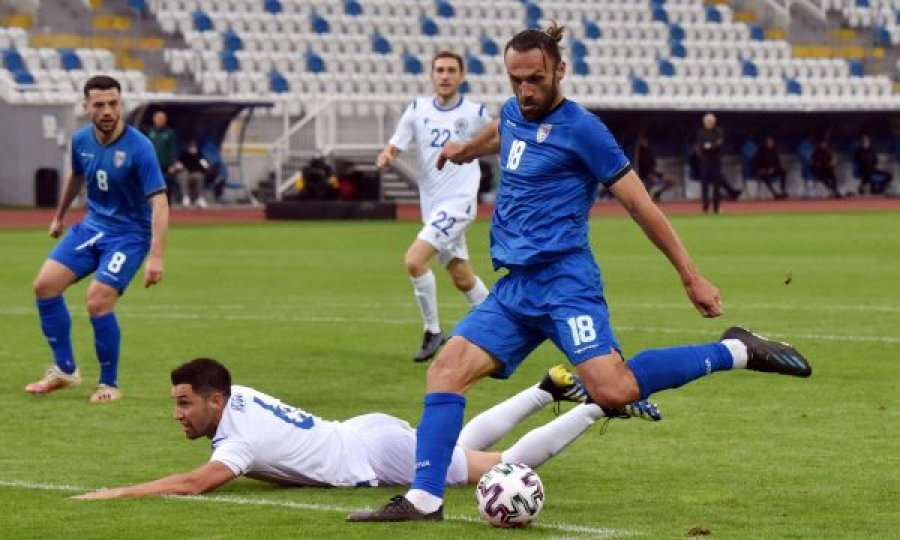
[484,144]
[70,190]
[387,156]
[153,269]
[202,479]
[630,192]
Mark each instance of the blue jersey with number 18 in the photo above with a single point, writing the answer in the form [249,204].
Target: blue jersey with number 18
[550,172]
[120,177]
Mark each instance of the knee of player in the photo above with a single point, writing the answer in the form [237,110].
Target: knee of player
[613,394]
[99,304]
[463,282]
[43,288]
[414,266]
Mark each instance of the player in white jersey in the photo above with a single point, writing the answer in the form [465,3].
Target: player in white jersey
[256,435]
[448,197]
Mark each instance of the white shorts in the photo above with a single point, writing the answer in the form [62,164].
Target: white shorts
[391,446]
[445,229]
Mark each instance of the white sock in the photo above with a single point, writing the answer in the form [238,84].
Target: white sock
[425,290]
[477,294]
[541,444]
[738,352]
[423,501]
[490,426]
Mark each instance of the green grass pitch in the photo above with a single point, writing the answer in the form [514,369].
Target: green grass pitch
[322,315]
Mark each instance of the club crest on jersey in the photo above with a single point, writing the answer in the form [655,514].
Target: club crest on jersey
[543,132]
[119,158]
[460,126]
[237,402]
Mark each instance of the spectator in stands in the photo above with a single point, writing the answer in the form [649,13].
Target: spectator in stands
[866,160]
[708,147]
[190,172]
[769,169]
[822,166]
[647,170]
[165,142]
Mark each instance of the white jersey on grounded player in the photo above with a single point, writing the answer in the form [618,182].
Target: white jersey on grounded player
[431,127]
[261,437]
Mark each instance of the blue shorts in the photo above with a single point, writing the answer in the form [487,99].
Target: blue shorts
[561,301]
[115,258]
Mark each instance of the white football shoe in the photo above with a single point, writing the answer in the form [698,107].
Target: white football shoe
[104,393]
[54,379]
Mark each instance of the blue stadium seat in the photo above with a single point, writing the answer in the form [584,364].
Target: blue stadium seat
[230,62]
[231,41]
[533,11]
[273,6]
[676,32]
[314,63]
[856,68]
[793,86]
[319,24]
[12,60]
[411,64]
[380,44]
[639,86]
[677,50]
[445,9]
[713,14]
[69,60]
[22,76]
[591,30]
[474,65]
[465,88]
[429,27]
[666,69]
[579,49]
[660,15]
[202,22]
[581,67]
[138,6]
[352,8]
[489,47]
[757,33]
[882,35]
[277,83]
[749,69]
[862,3]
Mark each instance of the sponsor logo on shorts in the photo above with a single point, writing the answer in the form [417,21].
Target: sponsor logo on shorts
[585,348]
[111,276]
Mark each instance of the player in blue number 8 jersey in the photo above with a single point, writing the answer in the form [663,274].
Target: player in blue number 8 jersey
[553,156]
[127,218]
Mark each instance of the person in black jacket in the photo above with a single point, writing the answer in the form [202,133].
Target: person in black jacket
[708,147]
[822,167]
[769,169]
[191,170]
[866,159]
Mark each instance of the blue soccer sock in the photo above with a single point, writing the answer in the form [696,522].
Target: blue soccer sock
[106,341]
[57,327]
[442,420]
[659,369]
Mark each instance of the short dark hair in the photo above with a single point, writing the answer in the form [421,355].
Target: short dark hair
[205,376]
[100,82]
[546,40]
[448,54]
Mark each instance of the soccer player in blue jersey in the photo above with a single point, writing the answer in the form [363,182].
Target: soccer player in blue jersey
[127,219]
[553,155]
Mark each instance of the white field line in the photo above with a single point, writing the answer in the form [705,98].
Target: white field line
[232,499]
[294,318]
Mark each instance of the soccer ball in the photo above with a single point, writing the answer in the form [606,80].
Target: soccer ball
[509,495]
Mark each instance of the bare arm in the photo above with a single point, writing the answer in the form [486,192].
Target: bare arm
[202,479]
[153,269]
[73,185]
[630,192]
[387,156]
[484,144]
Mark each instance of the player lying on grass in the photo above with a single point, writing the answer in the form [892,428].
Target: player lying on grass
[256,435]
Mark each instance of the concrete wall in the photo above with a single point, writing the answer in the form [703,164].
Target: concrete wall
[31,137]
